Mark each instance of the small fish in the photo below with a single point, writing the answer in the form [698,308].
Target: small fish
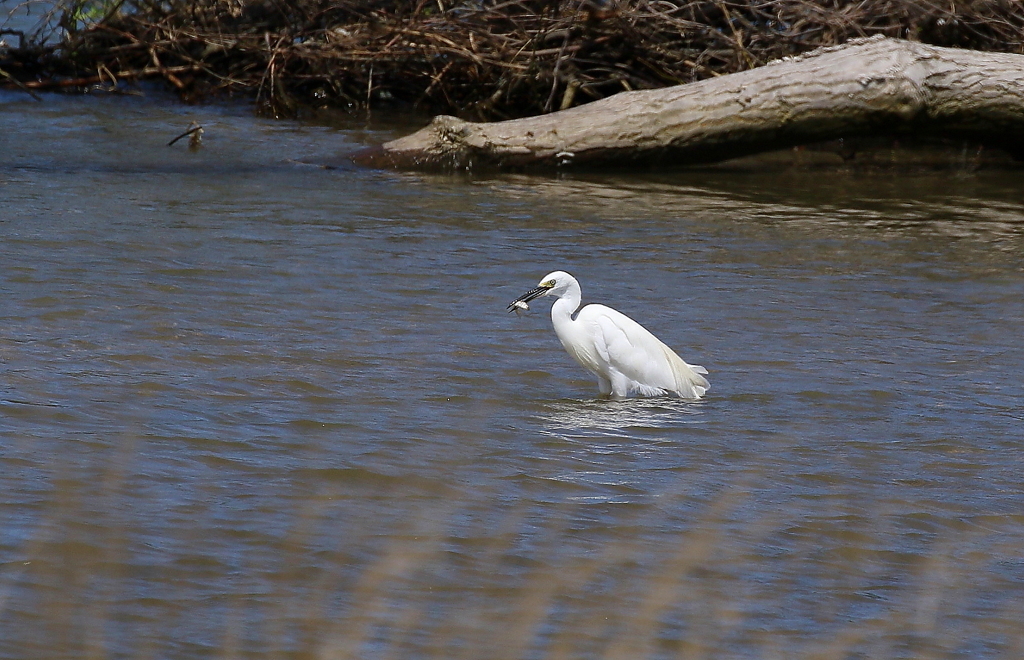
[519,307]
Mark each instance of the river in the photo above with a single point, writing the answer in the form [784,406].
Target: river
[253,407]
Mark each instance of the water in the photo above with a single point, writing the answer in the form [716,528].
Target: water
[255,408]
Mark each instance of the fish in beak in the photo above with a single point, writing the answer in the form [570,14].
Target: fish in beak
[520,303]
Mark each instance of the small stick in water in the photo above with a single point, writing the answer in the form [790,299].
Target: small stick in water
[195,136]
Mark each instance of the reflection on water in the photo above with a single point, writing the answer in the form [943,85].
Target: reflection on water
[256,408]
[869,205]
[616,418]
[614,444]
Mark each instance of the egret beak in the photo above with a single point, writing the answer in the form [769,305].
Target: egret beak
[527,297]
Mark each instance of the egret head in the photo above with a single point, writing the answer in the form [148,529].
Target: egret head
[552,284]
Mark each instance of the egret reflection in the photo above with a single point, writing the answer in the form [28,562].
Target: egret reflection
[620,418]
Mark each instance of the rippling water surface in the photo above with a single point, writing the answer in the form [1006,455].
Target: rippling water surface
[256,408]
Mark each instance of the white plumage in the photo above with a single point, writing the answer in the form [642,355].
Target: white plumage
[626,358]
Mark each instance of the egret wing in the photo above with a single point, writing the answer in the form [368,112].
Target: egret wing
[630,349]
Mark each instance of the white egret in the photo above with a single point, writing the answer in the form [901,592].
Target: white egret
[626,358]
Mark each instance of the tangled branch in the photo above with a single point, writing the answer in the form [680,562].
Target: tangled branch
[479,59]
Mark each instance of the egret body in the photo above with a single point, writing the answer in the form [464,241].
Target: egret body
[626,358]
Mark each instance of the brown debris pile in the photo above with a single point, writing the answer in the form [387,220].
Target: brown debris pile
[479,59]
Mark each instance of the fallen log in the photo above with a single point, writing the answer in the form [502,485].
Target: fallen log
[864,88]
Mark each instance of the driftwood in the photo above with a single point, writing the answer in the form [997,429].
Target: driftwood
[864,88]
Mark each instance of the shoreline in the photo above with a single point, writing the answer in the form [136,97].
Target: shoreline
[480,62]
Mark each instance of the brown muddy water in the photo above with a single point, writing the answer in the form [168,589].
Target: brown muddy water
[254,408]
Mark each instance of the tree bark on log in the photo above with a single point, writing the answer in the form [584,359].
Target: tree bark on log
[865,88]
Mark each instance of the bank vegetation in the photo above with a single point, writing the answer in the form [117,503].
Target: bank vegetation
[476,59]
